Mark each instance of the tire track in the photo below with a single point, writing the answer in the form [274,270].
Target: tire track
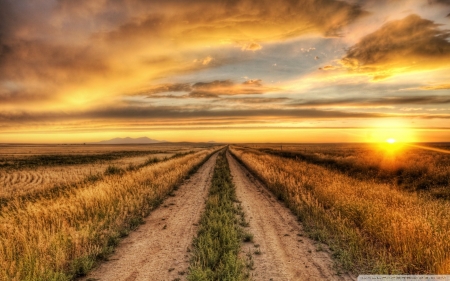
[285,253]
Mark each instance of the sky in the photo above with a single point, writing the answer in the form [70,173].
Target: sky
[225,70]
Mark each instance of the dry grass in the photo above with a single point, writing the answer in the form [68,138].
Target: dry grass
[407,166]
[60,237]
[371,227]
[28,150]
[27,180]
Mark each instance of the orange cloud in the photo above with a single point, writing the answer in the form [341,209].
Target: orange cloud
[251,47]
[328,67]
[207,60]
[436,87]
[409,44]
[209,89]
[50,51]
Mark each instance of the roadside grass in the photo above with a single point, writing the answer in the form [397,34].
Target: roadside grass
[217,245]
[371,228]
[58,237]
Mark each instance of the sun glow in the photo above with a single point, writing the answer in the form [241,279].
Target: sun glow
[391,132]
[390,140]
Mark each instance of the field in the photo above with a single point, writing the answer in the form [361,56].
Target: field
[28,169]
[381,209]
[55,232]
[215,212]
[410,167]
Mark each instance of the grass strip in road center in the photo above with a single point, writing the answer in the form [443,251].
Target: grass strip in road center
[216,248]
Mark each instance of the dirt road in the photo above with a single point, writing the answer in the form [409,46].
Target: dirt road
[286,254]
[158,249]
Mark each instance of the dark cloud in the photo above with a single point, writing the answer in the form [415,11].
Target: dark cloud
[447,2]
[211,89]
[154,26]
[213,85]
[254,100]
[170,115]
[161,113]
[407,44]
[328,67]
[36,60]
[175,113]
[167,97]
[254,82]
[244,21]
[7,18]
[6,21]
[368,102]
[164,88]
[231,90]
[202,94]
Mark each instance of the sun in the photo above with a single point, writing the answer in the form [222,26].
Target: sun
[391,140]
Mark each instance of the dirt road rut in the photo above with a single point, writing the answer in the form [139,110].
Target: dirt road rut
[158,249]
[285,253]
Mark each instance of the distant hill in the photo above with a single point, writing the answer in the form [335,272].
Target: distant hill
[128,140]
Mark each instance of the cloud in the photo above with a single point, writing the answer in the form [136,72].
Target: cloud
[264,100]
[372,102]
[255,82]
[328,67]
[202,94]
[447,2]
[228,88]
[436,87]
[251,47]
[17,96]
[56,65]
[207,60]
[164,88]
[36,61]
[409,44]
[49,47]
[134,117]
[171,113]
[211,89]
[213,85]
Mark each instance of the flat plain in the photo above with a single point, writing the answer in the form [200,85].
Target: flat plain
[233,212]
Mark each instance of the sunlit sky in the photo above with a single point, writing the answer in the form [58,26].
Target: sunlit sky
[228,71]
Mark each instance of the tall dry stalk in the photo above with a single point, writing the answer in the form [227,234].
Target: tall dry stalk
[58,238]
[371,227]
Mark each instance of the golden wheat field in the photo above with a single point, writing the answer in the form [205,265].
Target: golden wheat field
[381,210]
[62,210]
[30,168]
